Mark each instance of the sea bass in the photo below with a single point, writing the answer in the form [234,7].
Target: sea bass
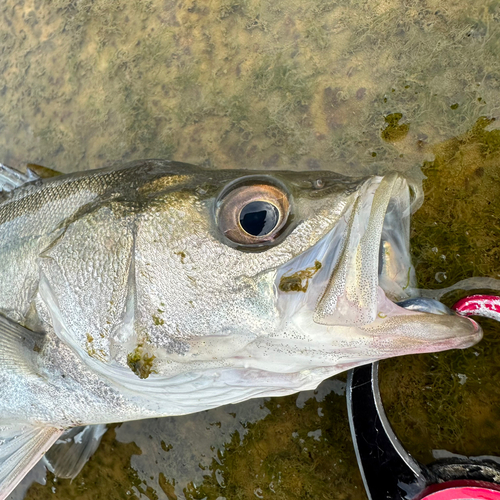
[160,288]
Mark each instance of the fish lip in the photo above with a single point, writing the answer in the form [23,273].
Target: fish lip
[443,330]
[468,338]
[375,256]
[433,306]
[477,328]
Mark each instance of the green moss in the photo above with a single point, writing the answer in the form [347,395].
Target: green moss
[167,487]
[489,140]
[281,75]
[239,81]
[318,34]
[238,109]
[228,7]
[456,230]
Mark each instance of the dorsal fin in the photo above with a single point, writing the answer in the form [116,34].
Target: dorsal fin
[10,178]
[42,172]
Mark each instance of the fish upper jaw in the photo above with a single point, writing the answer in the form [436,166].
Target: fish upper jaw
[339,275]
[354,275]
[352,295]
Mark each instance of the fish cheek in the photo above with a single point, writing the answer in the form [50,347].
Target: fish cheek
[85,279]
[190,285]
[299,281]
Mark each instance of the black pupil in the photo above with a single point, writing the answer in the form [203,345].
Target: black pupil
[259,218]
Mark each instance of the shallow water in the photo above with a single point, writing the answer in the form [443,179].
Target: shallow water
[354,86]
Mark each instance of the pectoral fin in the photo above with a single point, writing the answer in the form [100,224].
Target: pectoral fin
[18,347]
[21,447]
[73,449]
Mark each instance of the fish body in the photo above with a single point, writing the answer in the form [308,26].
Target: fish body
[160,288]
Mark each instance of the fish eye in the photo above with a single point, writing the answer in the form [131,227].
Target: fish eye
[252,212]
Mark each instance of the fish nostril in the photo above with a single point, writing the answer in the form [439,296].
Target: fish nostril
[318,184]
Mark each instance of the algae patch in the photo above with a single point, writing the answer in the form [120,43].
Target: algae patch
[92,351]
[140,362]
[394,131]
[294,283]
[167,486]
[157,320]
[182,255]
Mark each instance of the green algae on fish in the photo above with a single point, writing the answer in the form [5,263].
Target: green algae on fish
[140,362]
[293,283]
[91,350]
[157,320]
[182,255]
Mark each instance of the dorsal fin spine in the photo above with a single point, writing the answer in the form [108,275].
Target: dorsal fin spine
[10,178]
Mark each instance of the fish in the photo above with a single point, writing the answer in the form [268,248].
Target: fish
[157,288]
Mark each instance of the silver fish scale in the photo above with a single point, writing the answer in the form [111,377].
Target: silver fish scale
[88,277]
[30,220]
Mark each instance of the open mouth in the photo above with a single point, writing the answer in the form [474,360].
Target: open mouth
[360,275]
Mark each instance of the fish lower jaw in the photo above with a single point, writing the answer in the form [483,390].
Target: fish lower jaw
[395,331]
[353,311]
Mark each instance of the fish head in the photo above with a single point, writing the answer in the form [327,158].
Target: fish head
[277,280]
[283,272]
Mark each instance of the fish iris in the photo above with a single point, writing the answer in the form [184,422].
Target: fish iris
[259,218]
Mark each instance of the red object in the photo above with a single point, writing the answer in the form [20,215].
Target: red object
[487,306]
[462,490]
